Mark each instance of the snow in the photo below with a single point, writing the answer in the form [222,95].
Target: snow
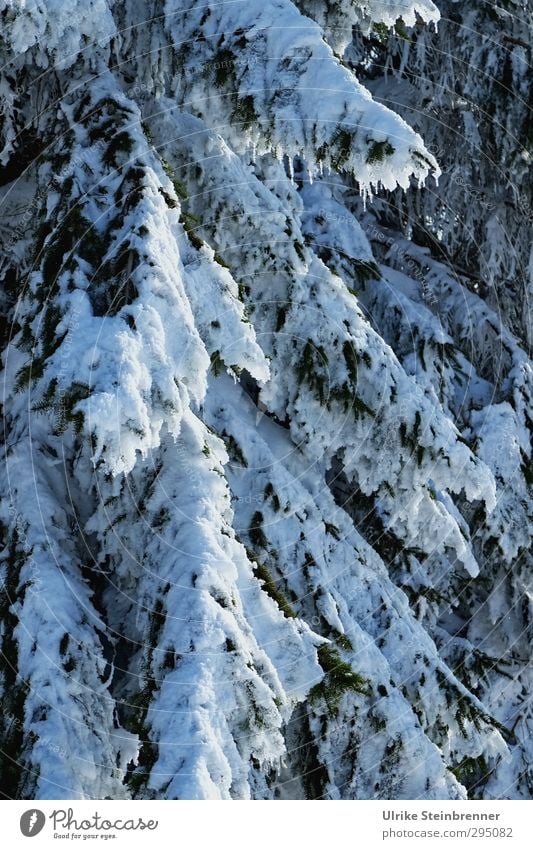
[301,97]
[60,29]
[265,477]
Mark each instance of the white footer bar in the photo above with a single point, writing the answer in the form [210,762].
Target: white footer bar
[268,825]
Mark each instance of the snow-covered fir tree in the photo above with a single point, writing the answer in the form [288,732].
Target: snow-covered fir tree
[266,398]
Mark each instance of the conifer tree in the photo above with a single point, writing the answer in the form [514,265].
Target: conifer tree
[260,537]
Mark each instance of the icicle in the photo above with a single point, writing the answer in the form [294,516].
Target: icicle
[291,169]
